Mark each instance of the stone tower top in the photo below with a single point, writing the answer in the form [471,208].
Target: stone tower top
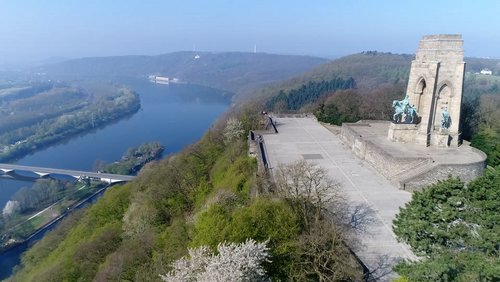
[441,47]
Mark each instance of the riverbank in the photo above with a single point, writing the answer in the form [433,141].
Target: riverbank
[20,227]
[105,110]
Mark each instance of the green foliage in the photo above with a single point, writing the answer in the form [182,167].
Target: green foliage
[483,195]
[488,141]
[212,227]
[476,85]
[355,104]
[433,220]
[488,137]
[233,171]
[43,193]
[82,248]
[452,266]
[263,219]
[269,220]
[24,106]
[172,242]
[341,107]
[370,70]
[307,94]
[456,227]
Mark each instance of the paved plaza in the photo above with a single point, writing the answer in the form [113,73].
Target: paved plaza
[305,138]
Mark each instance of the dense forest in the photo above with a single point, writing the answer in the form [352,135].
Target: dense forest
[307,94]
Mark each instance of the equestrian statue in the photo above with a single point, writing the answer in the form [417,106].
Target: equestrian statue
[404,112]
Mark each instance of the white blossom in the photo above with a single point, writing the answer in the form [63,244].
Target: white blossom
[233,130]
[233,262]
[10,208]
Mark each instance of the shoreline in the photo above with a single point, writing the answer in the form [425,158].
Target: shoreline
[53,221]
[19,154]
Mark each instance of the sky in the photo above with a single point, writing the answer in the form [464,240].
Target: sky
[32,30]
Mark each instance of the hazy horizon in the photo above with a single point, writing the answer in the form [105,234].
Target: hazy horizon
[33,31]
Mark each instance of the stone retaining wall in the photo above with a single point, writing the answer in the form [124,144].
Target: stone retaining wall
[409,173]
[385,163]
[466,172]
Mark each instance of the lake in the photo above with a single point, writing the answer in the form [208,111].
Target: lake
[175,115]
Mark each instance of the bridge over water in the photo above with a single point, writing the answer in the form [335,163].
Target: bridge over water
[12,171]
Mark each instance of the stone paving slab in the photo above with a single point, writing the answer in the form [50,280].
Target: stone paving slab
[305,138]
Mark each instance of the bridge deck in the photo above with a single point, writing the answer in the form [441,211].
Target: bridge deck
[74,173]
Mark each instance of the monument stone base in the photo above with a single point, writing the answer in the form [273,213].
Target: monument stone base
[404,133]
[411,166]
[410,134]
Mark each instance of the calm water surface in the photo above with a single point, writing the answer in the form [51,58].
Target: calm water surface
[175,115]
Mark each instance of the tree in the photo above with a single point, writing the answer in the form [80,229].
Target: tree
[342,106]
[488,141]
[233,262]
[455,227]
[322,254]
[309,188]
[11,207]
[433,219]
[452,266]
[233,131]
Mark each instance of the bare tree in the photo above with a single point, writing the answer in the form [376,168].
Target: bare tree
[310,188]
[328,222]
[324,255]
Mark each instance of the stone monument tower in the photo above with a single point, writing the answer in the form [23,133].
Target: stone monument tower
[430,113]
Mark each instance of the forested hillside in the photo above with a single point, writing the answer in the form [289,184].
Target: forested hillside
[234,71]
[206,195]
[369,70]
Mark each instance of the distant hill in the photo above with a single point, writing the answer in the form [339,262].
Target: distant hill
[233,71]
[370,70]
[477,64]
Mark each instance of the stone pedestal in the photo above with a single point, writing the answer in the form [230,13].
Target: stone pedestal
[403,133]
[442,137]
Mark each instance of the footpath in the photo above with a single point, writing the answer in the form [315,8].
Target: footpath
[306,139]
